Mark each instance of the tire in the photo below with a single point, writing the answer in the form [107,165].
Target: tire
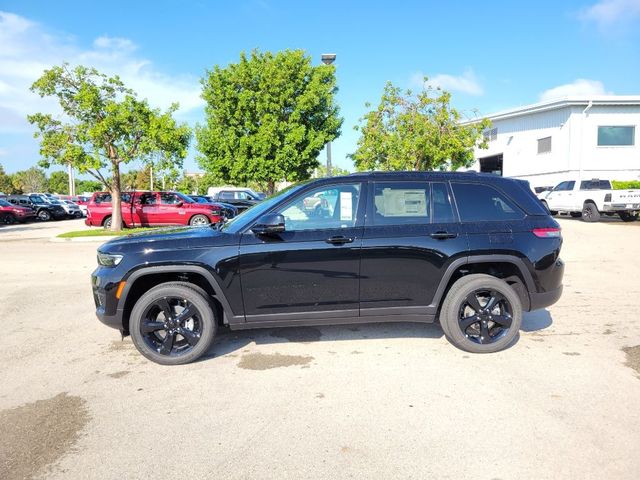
[456,312]
[628,216]
[575,214]
[148,313]
[590,212]
[77,215]
[551,212]
[106,223]
[44,215]
[199,220]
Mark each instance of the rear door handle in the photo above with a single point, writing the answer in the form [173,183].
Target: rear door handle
[339,240]
[443,235]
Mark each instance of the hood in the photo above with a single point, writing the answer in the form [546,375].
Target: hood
[172,238]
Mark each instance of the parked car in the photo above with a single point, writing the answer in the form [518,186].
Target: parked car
[151,209]
[79,200]
[228,210]
[241,198]
[44,210]
[470,250]
[10,213]
[591,198]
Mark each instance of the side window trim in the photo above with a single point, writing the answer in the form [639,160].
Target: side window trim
[452,201]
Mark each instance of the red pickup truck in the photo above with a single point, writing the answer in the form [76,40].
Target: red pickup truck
[151,209]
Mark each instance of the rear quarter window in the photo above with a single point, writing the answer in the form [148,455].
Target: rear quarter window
[478,203]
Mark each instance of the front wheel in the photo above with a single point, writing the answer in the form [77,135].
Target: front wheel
[551,212]
[199,220]
[481,314]
[44,215]
[590,212]
[628,216]
[172,324]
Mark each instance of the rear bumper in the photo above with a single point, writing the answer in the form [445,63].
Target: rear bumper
[620,207]
[545,299]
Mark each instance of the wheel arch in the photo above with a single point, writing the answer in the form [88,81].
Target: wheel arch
[141,280]
[506,267]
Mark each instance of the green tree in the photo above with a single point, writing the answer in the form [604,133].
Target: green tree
[336,171]
[416,132]
[31,180]
[6,186]
[267,118]
[88,186]
[188,185]
[59,182]
[105,125]
[137,179]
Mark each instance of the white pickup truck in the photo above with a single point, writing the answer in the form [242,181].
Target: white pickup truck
[590,199]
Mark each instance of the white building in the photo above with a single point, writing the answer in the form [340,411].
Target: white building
[569,138]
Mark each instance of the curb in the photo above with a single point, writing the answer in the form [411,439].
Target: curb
[101,239]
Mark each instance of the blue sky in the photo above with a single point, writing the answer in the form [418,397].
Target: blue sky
[490,55]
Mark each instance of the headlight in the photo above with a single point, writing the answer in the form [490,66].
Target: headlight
[108,259]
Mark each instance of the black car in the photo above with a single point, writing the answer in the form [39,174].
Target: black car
[44,210]
[470,250]
[228,210]
[241,199]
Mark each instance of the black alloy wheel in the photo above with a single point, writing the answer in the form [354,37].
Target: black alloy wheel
[44,215]
[485,316]
[481,314]
[173,323]
[590,212]
[171,326]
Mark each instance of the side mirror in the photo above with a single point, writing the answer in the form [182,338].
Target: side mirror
[179,204]
[269,223]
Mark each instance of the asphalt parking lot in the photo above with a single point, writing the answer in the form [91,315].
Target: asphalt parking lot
[378,401]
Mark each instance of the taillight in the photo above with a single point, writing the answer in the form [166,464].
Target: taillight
[547,232]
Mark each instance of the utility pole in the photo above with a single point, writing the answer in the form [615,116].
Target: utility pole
[328,59]
[72,182]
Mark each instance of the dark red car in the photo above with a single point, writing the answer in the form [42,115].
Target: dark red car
[10,213]
[151,209]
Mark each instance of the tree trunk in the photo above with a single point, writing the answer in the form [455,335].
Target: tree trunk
[271,187]
[116,208]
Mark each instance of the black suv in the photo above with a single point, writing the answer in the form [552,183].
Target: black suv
[44,210]
[470,250]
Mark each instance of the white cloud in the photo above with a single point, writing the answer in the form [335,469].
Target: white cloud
[27,49]
[465,83]
[607,13]
[581,86]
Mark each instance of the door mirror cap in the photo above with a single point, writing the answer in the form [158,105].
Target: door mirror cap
[179,204]
[269,223]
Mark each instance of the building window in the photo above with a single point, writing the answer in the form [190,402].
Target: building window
[490,134]
[544,145]
[616,136]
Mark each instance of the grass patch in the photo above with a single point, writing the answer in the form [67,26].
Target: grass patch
[101,232]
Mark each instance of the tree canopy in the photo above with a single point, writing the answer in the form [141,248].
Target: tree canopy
[59,182]
[267,118]
[420,131]
[6,186]
[30,180]
[104,125]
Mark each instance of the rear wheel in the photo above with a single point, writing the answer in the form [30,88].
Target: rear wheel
[590,212]
[199,220]
[628,216]
[172,324]
[481,314]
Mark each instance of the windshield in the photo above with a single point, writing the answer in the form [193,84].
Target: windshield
[36,199]
[238,223]
[184,198]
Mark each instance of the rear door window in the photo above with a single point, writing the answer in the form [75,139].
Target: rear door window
[478,203]
[401,203]
[441,204]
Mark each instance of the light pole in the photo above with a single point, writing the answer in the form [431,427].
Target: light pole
[328,59]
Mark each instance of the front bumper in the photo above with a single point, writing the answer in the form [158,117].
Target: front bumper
[104,295]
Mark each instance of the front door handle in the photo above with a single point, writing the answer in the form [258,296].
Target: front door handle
[339,240]
[443,235]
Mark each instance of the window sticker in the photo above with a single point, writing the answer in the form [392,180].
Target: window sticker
[346,206]
[399,203]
